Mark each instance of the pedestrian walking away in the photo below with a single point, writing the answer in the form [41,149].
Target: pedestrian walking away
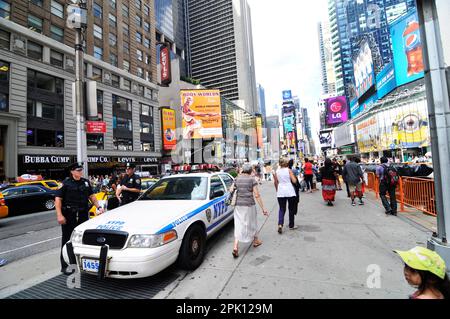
[308,174]
[130,186]
[296,185]
[426,270]
[245,213]
[388,177]
[283,179]
[337,167]
[329,176]
[353,174]
[344,162]
[72,205]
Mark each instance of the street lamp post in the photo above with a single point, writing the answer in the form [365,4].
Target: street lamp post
[439,113]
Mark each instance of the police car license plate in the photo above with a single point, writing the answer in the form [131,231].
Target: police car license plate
[90,265]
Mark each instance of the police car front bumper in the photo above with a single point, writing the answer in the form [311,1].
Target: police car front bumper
[129,262]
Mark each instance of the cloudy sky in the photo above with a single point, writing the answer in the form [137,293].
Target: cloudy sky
[286,46]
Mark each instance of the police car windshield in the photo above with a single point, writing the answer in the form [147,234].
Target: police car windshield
[178,188]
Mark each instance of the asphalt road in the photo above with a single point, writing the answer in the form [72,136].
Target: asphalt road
[28,235]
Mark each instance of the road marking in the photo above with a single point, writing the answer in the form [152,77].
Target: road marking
[41,242]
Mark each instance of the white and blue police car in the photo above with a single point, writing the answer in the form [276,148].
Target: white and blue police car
[170,222]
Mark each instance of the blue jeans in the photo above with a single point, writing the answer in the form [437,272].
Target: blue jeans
[282,201]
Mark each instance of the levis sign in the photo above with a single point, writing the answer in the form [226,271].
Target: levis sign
[166,73]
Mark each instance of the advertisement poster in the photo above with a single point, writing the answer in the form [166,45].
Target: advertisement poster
[202,116]
[259,131]
[289,125]
[407,49]
[287,95]
[337,111]
[354,108]
[166,72]
[169,128]
[325,138]
[386,81]
[363,69]
[367,135]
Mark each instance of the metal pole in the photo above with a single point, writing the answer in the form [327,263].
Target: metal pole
[439,114]
[79,102]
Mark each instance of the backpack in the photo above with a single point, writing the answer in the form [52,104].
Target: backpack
[390,176]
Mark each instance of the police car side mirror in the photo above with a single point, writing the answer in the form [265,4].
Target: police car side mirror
[217,193]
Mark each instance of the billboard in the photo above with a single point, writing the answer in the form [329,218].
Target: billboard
[363,69]
[407,49]
[259,131]
[168,129]
[166,72]
[325,138]
[202,116]
[337,110]
[386,81]
[288,117]
[287,95]
[354,108]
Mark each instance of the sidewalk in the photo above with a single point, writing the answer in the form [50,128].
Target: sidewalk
[331,255]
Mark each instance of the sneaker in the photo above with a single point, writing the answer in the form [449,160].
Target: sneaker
[353,204]
[361,203]
[388,213]
[280,229]
[294,228]
[394,213]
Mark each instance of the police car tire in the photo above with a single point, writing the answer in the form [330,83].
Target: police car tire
[195,235]
[49,204]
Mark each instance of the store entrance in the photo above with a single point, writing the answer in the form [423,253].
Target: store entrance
[153,170]
[2,152]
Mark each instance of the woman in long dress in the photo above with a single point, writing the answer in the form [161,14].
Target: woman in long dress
[245,222]
[329,176]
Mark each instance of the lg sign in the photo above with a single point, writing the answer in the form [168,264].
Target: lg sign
[337,110]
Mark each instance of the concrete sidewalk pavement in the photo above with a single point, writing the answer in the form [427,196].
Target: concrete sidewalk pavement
[337,252]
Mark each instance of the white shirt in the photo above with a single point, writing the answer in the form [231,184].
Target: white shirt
[285,187]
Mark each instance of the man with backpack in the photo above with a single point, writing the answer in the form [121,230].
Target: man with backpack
[389,178]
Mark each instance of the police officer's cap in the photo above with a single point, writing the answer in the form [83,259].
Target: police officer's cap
[131,165]
[75,166]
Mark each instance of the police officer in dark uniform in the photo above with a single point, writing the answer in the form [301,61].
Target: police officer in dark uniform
[72,204]
[130,186]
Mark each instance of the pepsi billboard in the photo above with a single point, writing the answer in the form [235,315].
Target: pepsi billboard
[407,49]
[337,110]
[287,95]
[386,82]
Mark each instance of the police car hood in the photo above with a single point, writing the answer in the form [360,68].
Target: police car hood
[143,217]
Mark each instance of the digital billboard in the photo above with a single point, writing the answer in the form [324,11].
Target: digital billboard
[337,110]
[288,117]
[363,69]
[168,129]
[386,81]
[407,49]
[202,116]
[287,95]
[354,108]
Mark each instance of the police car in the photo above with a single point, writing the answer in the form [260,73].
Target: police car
[170,222]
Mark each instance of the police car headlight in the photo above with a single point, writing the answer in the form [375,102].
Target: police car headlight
[77,237]
[152,241]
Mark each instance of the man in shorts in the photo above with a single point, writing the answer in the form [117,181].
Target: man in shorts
[354,176]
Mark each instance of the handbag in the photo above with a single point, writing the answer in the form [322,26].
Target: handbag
[231,201]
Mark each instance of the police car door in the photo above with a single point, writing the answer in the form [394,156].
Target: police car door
[217,211]
[228,181]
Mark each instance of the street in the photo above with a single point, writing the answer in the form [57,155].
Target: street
[339,252]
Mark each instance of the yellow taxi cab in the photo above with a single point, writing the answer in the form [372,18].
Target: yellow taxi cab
[3,208]
[147,182]
[50,183]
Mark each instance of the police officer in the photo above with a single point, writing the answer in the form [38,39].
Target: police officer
[72,204]
[130,186]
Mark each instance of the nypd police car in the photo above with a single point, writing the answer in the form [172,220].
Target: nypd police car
[170,222]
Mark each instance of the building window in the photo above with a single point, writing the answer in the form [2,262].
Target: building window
[4,86]
[126,48]
[113,59]
[138,4]
[57,9]
[34,23]
[98,32]
[138,37]
[48,138]
[139,54]
[122,124]
[146,110]
[98,11]
[146,128]
[34,51]
[5,9]
[126,30]
[121,103]
[100,104]
[125,11]
[112,4]
[45,82]
[147,147]
[123,144]
[45,111]
[56,59]
[146,10]
[127,85]
[112,39]
[147,27]
[112,20]
[37,2]
[126,65]
[138,20]
[146,43]
[115,80]
[140,72]
[147,59]
[4,39]
[95,141]
[96,74]
[141,90]
[148,76]
[57,33]
[98,53]
[4,102]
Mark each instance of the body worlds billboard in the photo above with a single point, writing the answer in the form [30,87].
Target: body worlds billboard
[337,110]
[363,69]
[202,116]
[407,49]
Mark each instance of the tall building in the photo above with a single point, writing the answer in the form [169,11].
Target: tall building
[221,49]
[326,58]
[171,27]
[37,58]
[262,102]
[351,19]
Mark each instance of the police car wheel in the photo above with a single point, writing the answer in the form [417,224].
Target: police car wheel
[49,204]
[192,249]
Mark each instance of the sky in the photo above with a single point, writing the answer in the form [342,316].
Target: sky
[286,49]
